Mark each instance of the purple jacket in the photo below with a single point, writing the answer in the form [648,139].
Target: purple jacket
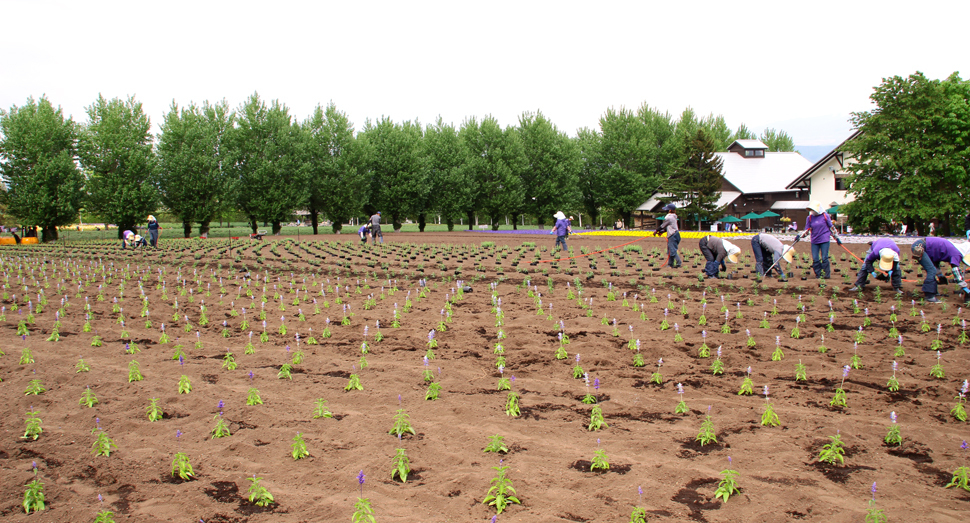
[940,250]
[820,225]
[561,227]
[878,245]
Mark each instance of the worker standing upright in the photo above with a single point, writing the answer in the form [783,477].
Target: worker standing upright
[669,226]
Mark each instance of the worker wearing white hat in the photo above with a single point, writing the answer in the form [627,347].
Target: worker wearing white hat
[887,253]
[561,229]
[717,251]
[769,251]
[820,227]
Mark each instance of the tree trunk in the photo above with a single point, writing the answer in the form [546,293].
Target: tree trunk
[451,223]
[421,221]
[471,221]
[122,227]
[495,222]
[49,233]
[947,218]
[186,229]
[314,220]
[395,222]
[336,225]
[253,225]
[277,227]
[515,222]
[204,228]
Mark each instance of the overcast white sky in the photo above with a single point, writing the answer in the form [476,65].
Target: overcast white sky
[798,66]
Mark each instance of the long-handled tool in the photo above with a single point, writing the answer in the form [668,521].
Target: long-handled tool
[788,248]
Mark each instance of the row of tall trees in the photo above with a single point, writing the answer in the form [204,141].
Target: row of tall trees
[260,160]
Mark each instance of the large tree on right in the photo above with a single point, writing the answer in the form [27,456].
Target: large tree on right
[912,158]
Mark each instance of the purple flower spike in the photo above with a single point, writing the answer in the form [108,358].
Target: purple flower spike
[596,384]
[963,446]
[178,433]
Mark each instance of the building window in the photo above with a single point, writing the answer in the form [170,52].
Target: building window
[748,153]
[840,184]
[759,152]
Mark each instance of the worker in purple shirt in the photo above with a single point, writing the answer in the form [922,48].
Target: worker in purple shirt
[887,253]
[930,252]
[821,228]
[560,229]
[364,232]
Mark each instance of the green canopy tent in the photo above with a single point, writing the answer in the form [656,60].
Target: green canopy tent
[833,209]
[770,214]
[729,219]
[750,216]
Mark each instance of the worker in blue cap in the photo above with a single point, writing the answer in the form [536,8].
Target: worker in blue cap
[669,226]
[375,227]
[929,252]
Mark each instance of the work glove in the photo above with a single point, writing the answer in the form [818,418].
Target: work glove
[838,240]
[963,285]
[882,277]
[941,280]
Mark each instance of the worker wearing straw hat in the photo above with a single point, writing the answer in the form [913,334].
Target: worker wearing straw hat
[716,251]
[769,251]
[887,253]
[929,252]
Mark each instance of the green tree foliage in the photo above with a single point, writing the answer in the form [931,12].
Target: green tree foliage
[191,152]
[451,194]
[395,161]
[38,148]
[697,181]
[591,190]
[266,162]
[777,141]
[718,131]
[494,164]
[338,187]
[743,133]
[913,160]
[116,151]
[628,156]
[551,174]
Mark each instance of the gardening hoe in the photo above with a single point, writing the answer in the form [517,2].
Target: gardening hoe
[797,239]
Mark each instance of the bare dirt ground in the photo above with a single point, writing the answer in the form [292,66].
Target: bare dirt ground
[550,444]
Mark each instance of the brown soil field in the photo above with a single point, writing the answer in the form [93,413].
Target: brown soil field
[550,444]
